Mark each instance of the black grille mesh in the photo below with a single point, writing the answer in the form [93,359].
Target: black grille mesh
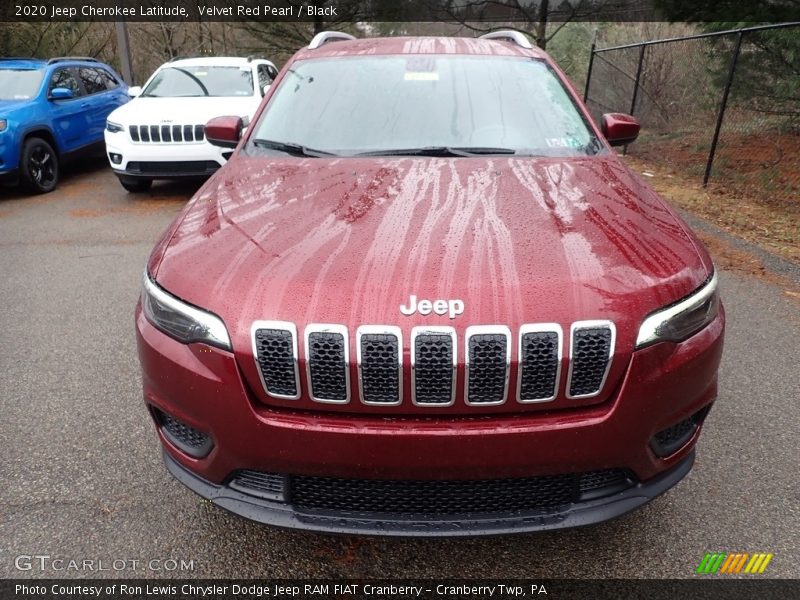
[265,485]
[671,439]
[590,356]
[327,366]
[433,369]
[488,355]
[275,354]
[192,441]
[538,365]
[544,493]
[380,379]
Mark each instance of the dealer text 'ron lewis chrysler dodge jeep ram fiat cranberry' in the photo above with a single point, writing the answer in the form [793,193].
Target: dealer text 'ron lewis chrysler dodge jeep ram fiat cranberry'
[425,297]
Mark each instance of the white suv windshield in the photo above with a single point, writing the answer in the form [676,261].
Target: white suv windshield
[201,81]
[19,84]
[410,104]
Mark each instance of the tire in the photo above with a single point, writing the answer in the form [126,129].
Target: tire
[39,166]
[136,185]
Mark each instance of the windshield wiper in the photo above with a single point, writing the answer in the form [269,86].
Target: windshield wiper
[291,148]
[439,151]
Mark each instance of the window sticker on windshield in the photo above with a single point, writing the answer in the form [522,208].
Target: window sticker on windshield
[200,73]
[421,68]
[411,76]
[563,142]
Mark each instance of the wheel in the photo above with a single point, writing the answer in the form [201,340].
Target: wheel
[39,166]
[136,185]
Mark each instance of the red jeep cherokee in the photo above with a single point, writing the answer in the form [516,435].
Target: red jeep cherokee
[425,297]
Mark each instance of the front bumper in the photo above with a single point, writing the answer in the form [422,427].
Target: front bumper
[280,514]
[154,160]
[203,388]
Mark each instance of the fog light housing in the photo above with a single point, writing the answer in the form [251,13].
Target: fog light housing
[115,158]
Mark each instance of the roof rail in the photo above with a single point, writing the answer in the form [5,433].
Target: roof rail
[509,35]
[59,59]
[329,36]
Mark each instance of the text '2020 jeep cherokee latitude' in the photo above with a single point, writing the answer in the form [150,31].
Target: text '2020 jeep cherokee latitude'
[424,297]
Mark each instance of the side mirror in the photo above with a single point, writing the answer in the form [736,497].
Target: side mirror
[619,128]
[61,93]
[265,89]
[135,91]
[224,132]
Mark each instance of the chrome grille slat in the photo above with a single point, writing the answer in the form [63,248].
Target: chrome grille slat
[487,362]
[328,363]
[379,351]
[434,361]
[539,375]
[434,353]
[167,134]
[591,351]
[275,351]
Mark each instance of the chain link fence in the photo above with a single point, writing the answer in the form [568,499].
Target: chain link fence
[722,107]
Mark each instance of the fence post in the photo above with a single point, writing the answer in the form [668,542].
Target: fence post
[638,77]
[722,106]
[591,64]
[635,88]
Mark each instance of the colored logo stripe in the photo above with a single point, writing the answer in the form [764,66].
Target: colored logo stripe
[722,562]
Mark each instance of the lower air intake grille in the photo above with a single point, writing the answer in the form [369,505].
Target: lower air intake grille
[673,438]
[539,360]
[188,439]
[434,371]
[275,353]
[257,483]
[591,350]
[182,167]
[327,366]
[380,374]
[488,368]
[545,493]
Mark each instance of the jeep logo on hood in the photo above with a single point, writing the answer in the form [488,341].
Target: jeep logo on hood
[440,307]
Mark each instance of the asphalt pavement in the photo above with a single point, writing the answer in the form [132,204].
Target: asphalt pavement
[83,480]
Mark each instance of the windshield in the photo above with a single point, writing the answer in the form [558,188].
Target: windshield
[187,82]
[19,84]
[423,104]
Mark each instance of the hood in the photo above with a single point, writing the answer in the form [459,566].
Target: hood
[183,110]
[6,106]
[348,241]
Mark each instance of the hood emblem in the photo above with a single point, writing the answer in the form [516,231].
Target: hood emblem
[453,308]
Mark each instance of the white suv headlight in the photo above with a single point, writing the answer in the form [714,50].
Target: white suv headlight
[683,319]
[112,127]
[180,320]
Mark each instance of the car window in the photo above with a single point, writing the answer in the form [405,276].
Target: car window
[383,103]
[19,84]
[264,76]
[92,80]
[108,79]
[201,81]
[64,78]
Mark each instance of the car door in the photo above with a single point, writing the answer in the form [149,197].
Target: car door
[99,100]
[69,115]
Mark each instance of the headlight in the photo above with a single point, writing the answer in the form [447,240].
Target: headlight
[113,127]
[3,124]
[182,321]
[686,317]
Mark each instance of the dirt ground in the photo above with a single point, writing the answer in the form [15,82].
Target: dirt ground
[771,221]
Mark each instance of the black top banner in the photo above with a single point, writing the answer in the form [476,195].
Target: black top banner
[326,11]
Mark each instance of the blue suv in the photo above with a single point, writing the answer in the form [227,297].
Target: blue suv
[52,111]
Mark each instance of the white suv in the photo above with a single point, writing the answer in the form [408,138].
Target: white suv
[159,134]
